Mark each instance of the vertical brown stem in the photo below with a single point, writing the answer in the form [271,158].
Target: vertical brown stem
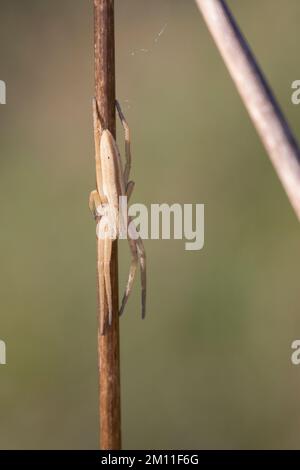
[108,344]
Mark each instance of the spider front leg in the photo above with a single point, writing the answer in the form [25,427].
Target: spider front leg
[95,204]
[127,144]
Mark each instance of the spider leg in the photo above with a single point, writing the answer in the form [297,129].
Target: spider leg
[106,270]
[97,135]
[138,257]
[129,189]
[127,143]
[97,209]
[142,262]
[94,203]
[101,285]
[132,271]
[102,267]
[134,256]
[135,242]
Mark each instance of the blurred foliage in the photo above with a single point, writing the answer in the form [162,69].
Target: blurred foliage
[210,366]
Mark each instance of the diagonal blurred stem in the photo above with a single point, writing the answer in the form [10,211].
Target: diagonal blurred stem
[257,96]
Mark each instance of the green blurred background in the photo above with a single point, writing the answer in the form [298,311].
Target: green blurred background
[210,366]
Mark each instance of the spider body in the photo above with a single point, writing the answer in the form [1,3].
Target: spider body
[112,182]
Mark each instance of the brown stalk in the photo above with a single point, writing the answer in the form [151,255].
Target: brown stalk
[109,343]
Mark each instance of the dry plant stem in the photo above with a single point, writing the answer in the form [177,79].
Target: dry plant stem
[108,344]
[257,96]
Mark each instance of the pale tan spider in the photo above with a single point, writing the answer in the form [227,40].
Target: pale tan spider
[112,182]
